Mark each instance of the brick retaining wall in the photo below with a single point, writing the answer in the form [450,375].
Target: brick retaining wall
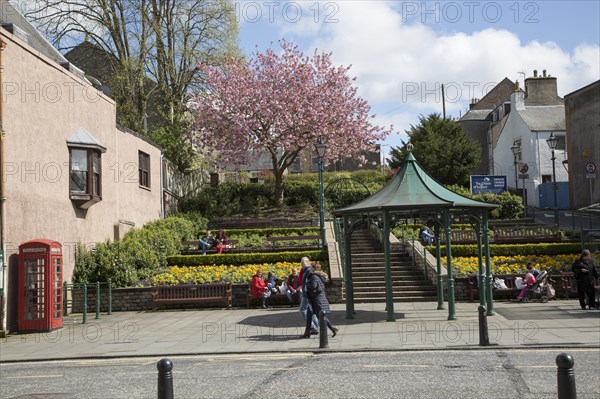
[140,299]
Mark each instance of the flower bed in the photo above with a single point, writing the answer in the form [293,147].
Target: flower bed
[217,273]
[515,264]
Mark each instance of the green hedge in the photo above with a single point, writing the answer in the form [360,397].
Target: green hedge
[244,258]
[272,232]
[138,256]
[515,249]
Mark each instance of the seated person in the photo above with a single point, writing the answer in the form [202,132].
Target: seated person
[221,241]
[272,282]
[260,289]
[532,270]
[426,235]
[528,282]
[206,242]
[293,287]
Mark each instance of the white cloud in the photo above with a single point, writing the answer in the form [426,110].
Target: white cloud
[402,66]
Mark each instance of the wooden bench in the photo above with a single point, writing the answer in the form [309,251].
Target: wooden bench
[276,299]
[569,286]
[509,280]
[192,247]
[460,237]
[275,240]
[186,293]
[525,234]
[507,235]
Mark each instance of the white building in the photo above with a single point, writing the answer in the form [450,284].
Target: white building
[524,125]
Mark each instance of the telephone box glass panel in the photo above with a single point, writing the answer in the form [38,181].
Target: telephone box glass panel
[34,289]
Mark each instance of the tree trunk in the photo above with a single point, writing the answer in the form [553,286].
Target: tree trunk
[278,200]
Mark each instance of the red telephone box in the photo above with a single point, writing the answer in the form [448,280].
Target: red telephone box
[40,286]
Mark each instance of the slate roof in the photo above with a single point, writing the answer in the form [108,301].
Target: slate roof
[412,189]
[11,15]
[548,118]
[476,115]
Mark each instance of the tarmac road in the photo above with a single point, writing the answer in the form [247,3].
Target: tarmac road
[492,373]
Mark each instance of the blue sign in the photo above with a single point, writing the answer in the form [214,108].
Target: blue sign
[488,184]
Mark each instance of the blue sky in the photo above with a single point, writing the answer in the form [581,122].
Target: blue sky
[402,51]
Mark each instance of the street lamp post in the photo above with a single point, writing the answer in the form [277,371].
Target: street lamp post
[515,150]
[321,148]
[552,142]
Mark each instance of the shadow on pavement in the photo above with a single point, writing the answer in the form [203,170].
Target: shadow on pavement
[521,311]
[292,318]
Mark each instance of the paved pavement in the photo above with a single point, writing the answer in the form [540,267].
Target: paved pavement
[418,325]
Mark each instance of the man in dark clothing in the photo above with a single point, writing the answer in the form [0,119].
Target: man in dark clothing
[293,287]
[585,274]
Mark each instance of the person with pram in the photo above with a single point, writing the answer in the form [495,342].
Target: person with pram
[528,282]
[531,269]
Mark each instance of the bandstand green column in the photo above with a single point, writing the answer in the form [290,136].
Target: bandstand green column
[481,276]
[440,278]
[451,304]
[488,267]
[348,270]
[389,291]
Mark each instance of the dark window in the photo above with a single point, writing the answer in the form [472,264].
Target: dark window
[562,143]
[314,163]
[85,181]
[546,178]
[296,168]
[144,169]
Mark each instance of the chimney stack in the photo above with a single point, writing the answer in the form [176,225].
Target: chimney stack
[541,90]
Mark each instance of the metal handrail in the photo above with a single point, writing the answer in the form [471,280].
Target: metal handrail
[84,287]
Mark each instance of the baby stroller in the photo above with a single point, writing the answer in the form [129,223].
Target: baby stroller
[542,289]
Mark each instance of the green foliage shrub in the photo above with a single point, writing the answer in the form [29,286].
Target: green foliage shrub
[298,192]
[275,231]
[199,222]
[140,254]
[85,265]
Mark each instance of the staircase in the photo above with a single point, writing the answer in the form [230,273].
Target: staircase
[368,273]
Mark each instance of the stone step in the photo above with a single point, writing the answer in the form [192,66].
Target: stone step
[381,273]
[397,292]
[378,256]
[382,299]
[380,266]
[400,284]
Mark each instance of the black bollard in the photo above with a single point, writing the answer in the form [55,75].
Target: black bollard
[484,339]
[566,376]
[165,379]
[323,339]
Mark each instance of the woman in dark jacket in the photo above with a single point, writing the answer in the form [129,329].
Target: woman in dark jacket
[315,289]
[585,274]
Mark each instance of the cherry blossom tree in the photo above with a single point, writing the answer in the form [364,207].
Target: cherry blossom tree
[282,103]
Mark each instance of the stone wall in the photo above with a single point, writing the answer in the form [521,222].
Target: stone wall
[140,299]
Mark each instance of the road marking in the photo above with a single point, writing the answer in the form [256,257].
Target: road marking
[255,357]
[22,377]
[395,365]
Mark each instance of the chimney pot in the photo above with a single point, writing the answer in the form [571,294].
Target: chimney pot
[535,73]
[544,72]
